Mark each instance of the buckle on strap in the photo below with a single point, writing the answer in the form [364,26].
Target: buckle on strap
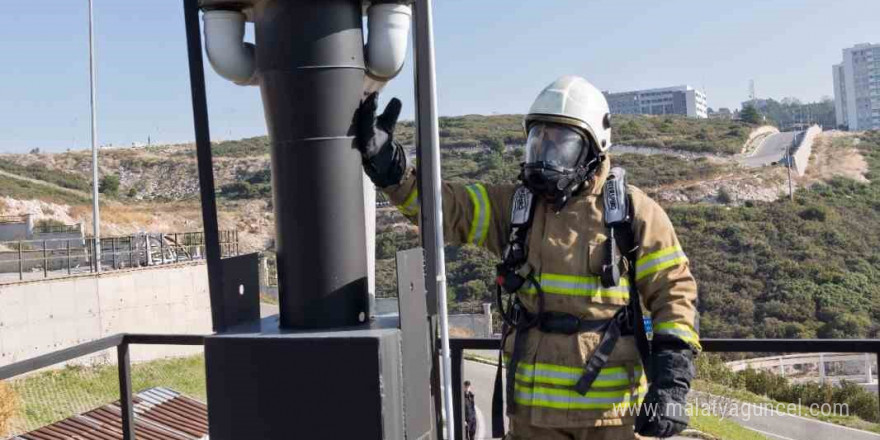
[600,355]
[555,322]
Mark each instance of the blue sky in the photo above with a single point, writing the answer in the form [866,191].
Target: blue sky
[493,56]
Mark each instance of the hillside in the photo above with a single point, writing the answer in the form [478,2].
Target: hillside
[766,267]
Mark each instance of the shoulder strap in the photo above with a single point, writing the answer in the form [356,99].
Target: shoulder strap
[522,211]
[617,217]
[618,220]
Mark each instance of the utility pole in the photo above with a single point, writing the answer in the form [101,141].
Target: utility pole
[788,159]
[96,214]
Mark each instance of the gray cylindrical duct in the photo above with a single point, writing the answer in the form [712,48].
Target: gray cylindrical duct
[310,56]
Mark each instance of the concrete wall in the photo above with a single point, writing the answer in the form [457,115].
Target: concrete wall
[476,325]
[44,316]
[472,325]
[801,156]
[17,231]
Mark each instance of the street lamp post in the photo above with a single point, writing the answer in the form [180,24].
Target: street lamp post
[788,161]
[96,215]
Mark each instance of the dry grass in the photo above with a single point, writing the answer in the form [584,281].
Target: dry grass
[8,408]
[460,332]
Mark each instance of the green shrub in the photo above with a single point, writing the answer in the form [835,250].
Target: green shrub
[109,185]
[245,190]
[860,402]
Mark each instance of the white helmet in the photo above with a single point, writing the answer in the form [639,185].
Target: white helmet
[572,100]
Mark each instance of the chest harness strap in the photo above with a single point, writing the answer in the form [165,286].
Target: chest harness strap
[514,272]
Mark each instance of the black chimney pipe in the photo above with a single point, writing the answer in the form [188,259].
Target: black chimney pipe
[310,55]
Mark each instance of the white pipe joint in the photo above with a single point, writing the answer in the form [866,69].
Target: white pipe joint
[228,54]
[388,25]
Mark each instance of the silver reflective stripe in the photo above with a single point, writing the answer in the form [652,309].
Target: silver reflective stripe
[525,395]
[582,286]
[663,259]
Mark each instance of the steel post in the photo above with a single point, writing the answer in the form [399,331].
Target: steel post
[45,261]
[203,153]
[20,263]
[429,181]
[125,404]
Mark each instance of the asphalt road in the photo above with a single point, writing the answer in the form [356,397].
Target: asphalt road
[781,426]
[772,150]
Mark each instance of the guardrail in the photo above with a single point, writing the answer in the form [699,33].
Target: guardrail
[457,346]
[119,341]
[68,256]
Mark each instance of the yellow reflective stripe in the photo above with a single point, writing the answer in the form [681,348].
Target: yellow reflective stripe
[410,206]
[482,214]
[578,286]
[682,331]
[567,376]
[569,399]
[659,260]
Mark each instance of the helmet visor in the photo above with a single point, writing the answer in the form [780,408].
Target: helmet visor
[554,144]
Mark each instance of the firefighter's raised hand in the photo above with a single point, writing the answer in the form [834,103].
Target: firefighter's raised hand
[384,159]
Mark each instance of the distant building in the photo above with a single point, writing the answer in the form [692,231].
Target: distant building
[679,100]
[721,113]
[857,87]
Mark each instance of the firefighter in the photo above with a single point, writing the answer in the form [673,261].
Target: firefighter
[574,365]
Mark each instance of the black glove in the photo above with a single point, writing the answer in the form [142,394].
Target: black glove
[663,410]
[384,159]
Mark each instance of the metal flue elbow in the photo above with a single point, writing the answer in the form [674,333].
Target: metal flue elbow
[388,25]
[228,54]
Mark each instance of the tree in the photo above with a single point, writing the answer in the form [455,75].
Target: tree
[750,114]
[109,185]
[496,144]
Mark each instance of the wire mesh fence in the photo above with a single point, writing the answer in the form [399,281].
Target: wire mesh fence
[33,401]
[48,396]
[36,259]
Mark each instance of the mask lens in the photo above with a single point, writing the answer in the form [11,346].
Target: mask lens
[554,144]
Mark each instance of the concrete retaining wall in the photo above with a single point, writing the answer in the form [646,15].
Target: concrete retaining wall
[476,325]
[757,136]
[801,156]
[15,231]
[45,316]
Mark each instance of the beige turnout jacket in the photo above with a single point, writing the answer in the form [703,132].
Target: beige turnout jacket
[567,251]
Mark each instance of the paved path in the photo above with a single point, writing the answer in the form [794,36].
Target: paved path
[268,310]
[771,150]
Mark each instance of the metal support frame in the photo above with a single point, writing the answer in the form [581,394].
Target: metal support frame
[457,346]
[125,403]
[205,161]
[431,212]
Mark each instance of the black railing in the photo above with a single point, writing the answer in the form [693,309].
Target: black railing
[121,342]
[457,347]
[29,259]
